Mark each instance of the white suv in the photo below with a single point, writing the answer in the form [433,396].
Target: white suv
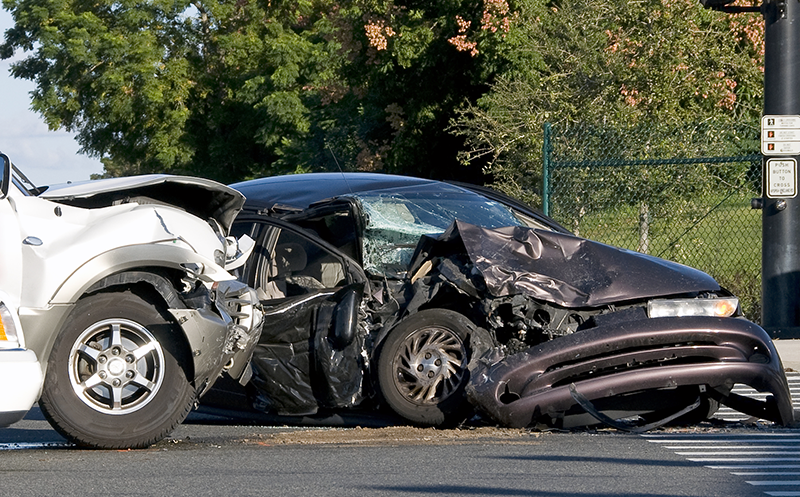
[124,296]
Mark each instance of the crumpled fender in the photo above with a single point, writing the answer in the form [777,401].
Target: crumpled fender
[649,354]
[224,339]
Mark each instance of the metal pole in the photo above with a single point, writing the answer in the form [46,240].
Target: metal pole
[547,149]
[780,256]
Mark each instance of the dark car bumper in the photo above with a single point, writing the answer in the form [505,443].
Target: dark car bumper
[648,358]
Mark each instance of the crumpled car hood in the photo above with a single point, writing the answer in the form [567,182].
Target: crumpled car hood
[202,197]
[563,269]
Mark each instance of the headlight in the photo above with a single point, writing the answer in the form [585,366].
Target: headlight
[219,258]
[237,251]
[8,329]
[721,307]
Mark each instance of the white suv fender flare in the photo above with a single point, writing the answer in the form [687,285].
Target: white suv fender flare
[42,324]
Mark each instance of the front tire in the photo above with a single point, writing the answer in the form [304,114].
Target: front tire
[114,378]
[422,367]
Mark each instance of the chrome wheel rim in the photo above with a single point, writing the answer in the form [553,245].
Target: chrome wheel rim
[116,366]
[430,365]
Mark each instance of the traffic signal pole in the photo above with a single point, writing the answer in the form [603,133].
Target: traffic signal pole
[780,143]
[780,146]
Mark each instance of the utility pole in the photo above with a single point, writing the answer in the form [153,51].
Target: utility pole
[780,143]
[780,146]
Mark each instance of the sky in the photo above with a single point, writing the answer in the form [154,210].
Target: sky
[46,157]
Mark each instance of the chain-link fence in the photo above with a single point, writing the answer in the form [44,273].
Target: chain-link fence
[681,194]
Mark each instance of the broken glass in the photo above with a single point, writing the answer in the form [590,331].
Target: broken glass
[396,218]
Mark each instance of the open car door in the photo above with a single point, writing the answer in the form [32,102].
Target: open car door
[309,355]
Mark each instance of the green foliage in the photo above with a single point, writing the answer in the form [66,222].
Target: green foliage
[237,89]
[659,63]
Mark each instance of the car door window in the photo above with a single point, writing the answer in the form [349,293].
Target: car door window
[297,266]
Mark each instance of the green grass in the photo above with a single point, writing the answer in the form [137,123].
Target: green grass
[725,242]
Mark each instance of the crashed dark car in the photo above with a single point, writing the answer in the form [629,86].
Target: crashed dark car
[435,299]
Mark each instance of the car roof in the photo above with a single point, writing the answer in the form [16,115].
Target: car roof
[302,190]
[299,191]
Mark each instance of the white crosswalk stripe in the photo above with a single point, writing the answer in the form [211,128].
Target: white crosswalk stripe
[769,462]
[760,459]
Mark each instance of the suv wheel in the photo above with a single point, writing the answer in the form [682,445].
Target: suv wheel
[114,377]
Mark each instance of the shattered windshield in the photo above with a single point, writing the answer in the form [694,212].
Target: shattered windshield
[396,218]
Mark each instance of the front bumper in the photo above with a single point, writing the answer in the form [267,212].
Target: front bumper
[652,356]
[21,385]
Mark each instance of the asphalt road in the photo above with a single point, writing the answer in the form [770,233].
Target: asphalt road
[212,459]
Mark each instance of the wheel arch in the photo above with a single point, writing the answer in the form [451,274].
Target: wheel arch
[460,304]
[43,321]
[132,258]
[151,283]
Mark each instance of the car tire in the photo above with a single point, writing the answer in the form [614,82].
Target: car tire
[114,377]
[422,367]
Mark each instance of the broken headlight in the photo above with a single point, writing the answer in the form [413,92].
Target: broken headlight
[237,251]
[719,307]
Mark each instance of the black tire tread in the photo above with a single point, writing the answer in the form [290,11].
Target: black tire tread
[65,415]
[449,411]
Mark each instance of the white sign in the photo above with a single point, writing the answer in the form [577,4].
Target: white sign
[781,178]
[780,135]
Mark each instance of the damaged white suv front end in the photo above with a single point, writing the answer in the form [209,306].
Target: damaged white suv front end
[125,295]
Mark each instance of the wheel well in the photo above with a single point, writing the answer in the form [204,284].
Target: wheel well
[156,287]
[452,301]
[161,281]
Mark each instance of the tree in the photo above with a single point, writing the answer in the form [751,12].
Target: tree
[422,61]
[662,65]
[237,89]
[167,86]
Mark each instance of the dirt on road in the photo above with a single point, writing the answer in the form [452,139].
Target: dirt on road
[398,435]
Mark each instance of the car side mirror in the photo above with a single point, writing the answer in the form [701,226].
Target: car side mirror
[5,181]
[345,321]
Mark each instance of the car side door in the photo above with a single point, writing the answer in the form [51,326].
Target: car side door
[310,351]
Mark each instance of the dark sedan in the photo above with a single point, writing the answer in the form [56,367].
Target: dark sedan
[435,299]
